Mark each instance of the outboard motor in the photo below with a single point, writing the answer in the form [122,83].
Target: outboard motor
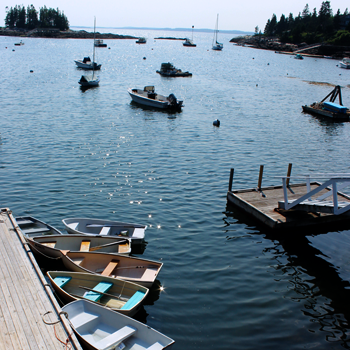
[172,100]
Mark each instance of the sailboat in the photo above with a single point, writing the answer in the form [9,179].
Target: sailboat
[216,45]
[189,42]
[87,81]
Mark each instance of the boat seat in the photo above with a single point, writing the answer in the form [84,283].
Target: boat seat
[29,231]
[115,338]
[82,319]
[110,267]
[62,280]
[133,300]
[155,346]
[49,244]
[104,231]
[78,261]
[85,246]
[73,225]
[95,295]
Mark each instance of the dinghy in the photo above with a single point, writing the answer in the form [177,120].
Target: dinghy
[100,328]
[32,227]
[118,295]
[52,245]
[140,271]
[106,228]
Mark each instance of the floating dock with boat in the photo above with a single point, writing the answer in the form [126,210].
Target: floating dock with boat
[299,205]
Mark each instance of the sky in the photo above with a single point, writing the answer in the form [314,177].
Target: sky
[233,15]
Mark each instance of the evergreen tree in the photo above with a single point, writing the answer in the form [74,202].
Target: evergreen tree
[32,17]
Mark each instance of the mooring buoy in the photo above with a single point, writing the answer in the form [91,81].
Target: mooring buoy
[144,58]
[216,122]
[31,71]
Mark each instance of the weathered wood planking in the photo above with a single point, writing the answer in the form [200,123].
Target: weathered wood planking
[25,297]
[263,208]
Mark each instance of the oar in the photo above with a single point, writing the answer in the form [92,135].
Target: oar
[108,295]
[107,245]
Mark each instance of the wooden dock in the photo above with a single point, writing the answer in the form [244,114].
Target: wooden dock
[27,304]
[262,204]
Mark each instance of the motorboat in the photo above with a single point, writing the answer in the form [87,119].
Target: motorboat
[20,43]
[90,226]
[298,57]
[148,97]
[118,295]
[98,328]
[32,227]
[99,43]
[168,70]
[87,64]
[345,63]
[189,42]
[53,245]
[136,270]
[141,40]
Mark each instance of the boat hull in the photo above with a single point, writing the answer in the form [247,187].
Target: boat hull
[328,114]
[95,325]
[32,227]
[87,66]
[139,271]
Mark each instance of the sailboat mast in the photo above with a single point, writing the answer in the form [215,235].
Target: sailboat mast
[217,29]
[93,55]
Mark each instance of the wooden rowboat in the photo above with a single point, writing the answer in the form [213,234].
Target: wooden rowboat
[100,328]
[118,295]
[106,228]
[140,271]
[52,245]
[32,227]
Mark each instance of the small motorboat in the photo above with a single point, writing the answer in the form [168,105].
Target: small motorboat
[32,227]
[54,244]
[87,64]
[98,327]
[148,97]
[118,295]
[106,228]
[298,57]
[99,43]
[136,270]
[345,63]
[189,42]
[89,81]
[141,40]
[168,70]
[20,43]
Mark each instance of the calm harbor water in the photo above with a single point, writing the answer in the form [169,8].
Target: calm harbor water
[228,284]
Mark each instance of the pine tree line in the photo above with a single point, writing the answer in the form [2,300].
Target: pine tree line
[20,18]
[311,27]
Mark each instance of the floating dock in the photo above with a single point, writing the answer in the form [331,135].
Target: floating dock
[269,206]
[29,313]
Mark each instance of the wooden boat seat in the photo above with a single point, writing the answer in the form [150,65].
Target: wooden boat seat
[95,295]
[78,261]
[73,225]
[110,267]
[62,280]
[115,338]
[155,346]
[105,230]
[85,246]
[49,244]
[133,300]
[82,319]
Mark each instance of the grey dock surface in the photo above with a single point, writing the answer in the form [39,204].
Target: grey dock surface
[25,297]
[265,209]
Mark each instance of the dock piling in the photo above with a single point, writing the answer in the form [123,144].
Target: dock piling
[260,177]
[289,172]
[231,179]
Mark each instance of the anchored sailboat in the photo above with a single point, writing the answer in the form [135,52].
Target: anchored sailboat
[87,81]
[216,45]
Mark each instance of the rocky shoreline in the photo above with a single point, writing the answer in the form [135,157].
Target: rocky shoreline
[271,43]
[55,33]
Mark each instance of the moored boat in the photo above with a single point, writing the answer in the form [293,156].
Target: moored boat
[298,57]
[345,63]
[188,42]
[168,70]
[31,227]
[136,270]
[54,244]
[20,43]
[99,43]
[119,295]
[216,45]
[90,226]
[148,97]
[141,40]
[98,327]
[87,64]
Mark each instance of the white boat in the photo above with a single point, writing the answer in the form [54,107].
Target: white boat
[53,245]
[87,81]
[99,43]
[141,40]
[216,45]
[189,42]
[148,97]
[118,295]
[87,64]
[101,227]
[136,270]
[32,227]
[98,328]
[345,63]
